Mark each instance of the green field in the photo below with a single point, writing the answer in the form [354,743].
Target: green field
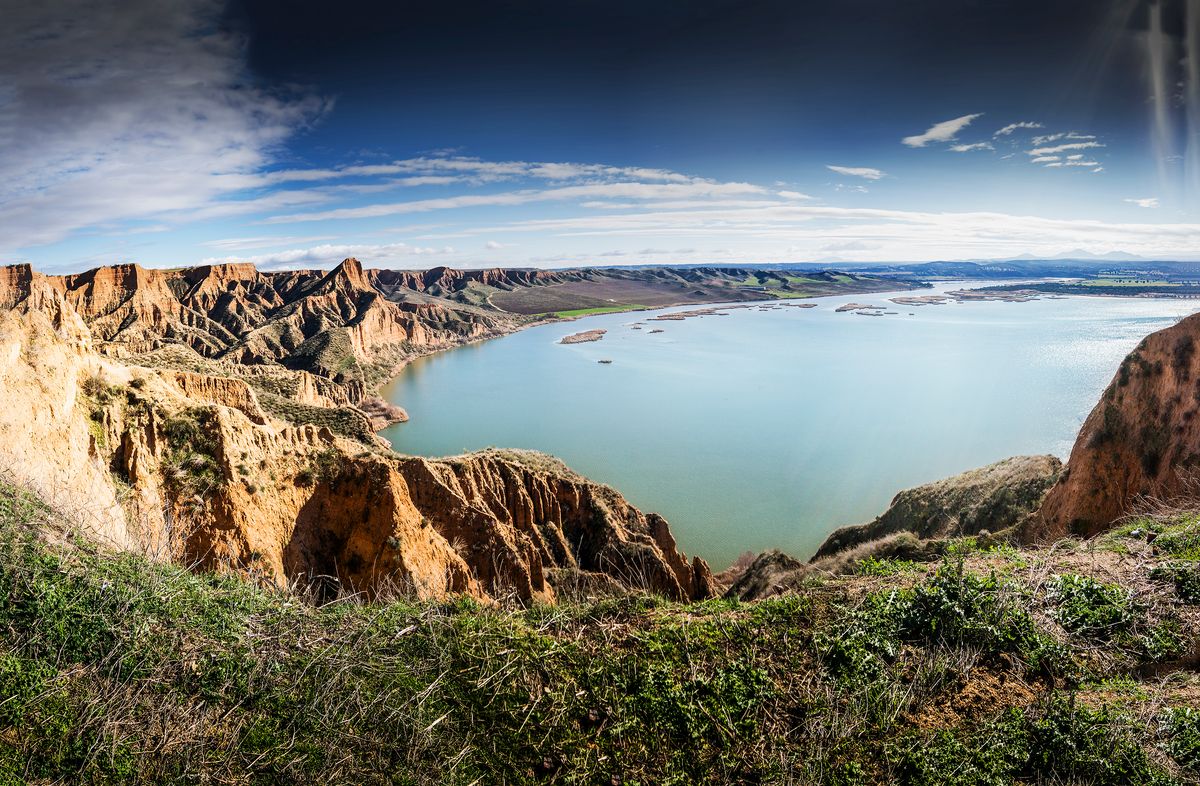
[587,312]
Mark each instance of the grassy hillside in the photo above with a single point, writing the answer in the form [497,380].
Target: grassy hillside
[1068,665]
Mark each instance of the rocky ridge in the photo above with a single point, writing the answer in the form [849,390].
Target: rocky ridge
[191,466]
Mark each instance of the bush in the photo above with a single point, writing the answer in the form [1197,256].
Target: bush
[953,608]
[1090,608]
[1078,744]
[1181,728]
[1063,743]
[1184,575]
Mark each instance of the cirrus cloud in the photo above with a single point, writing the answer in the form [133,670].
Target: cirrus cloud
[944,131]
[869,173]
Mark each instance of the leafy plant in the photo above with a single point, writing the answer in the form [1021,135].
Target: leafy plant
[1184,575]
[1089,607]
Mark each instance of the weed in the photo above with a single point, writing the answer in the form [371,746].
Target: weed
[887,567]
[1180,727]
[1090,608]
[1185,576]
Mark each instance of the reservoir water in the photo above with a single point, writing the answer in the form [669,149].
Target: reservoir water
[769,429]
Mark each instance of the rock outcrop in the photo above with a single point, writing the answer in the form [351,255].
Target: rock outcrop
[48,439]
[770,573]
[233,393]
[1141,440]
[330,323]
[992,498]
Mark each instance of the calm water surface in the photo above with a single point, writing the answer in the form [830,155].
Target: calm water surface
[769,429]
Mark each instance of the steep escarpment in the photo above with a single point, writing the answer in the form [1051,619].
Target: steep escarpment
[300,504]
[47,440]
[341,321]
[1141,440]
[193,466]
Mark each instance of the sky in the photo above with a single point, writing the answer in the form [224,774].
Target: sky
[555,133]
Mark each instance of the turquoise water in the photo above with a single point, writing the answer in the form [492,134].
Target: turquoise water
[769,429]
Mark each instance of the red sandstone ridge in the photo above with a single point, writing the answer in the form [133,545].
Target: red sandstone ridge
[315,320]
[1142,439]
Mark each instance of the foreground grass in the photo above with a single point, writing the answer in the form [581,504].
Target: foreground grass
[114,669]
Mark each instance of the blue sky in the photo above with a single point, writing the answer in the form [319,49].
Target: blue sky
[549,134]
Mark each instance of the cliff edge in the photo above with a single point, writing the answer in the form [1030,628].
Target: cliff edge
[1142,440]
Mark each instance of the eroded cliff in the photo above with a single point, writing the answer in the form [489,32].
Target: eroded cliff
[1142,440]
[190,465]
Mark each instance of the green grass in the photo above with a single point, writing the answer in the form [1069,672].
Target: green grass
[115,669]
[586,312]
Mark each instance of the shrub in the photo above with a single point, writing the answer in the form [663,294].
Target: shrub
[1089,607]
[1078,744]
[954,608]
[1063,743]
[1181,728]
[191,468]
[872,566]
[1181,541]
[1184,575]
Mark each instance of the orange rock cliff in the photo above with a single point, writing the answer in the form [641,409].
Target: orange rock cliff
[206,415]
[1142,440]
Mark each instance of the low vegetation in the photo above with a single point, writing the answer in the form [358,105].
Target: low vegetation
[346,421]
[988,667]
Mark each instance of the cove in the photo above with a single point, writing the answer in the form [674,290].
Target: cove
[770,428]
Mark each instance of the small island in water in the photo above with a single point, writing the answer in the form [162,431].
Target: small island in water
[584,337]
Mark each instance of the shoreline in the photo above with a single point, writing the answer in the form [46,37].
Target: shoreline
[399,367]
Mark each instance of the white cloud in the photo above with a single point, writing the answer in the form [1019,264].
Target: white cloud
[793,195]
[1047,138]
[116,115]
[972,146]
[1011,127]
[493,245]
[1044,159]
[440,170]
[900,234]
[940,132]
[849,245]
[599,190]
[1147,202]
[866,172]
[1046,151]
